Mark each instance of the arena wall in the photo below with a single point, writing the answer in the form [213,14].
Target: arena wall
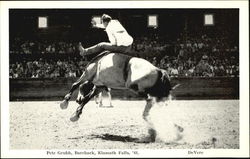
[190,88]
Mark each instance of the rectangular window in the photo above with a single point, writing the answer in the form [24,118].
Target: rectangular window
[153,21]
[208,19]
[42,22]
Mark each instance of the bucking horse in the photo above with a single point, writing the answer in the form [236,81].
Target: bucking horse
[119,71]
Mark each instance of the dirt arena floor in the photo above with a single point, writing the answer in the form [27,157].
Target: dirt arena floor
[207,124]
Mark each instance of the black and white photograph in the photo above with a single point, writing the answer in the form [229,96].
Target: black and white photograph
[124,79]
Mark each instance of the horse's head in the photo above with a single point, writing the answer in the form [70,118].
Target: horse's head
[167,86]
[162,86]
[165,82]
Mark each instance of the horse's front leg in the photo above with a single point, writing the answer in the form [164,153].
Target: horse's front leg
[75,85]
[151,131]
[64,104]
[82,102]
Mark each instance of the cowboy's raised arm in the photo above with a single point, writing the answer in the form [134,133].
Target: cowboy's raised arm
[99,26]
[94,25]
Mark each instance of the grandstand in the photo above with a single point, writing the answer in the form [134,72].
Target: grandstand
[184,42]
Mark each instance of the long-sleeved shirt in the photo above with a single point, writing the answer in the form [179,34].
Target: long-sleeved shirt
[117,34]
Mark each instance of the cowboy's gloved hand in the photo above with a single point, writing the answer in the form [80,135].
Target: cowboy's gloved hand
[93,22]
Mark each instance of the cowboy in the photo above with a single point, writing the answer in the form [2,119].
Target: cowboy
[120,40]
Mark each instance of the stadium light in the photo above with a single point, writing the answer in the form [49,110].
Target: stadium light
[153,21]
[208,19]
[42,22]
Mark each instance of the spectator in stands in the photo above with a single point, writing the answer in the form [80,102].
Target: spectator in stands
[203,68]
[72,73]
[190,71]
[174,71]
[34,74]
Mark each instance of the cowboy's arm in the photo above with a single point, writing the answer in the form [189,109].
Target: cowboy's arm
[94,25]
[99,26]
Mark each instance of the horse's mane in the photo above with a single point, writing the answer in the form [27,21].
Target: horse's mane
[97,57]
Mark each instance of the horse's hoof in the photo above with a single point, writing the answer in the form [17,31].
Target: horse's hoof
[147,139]
[152,134]
[64,104]
[179,128]
[74,118]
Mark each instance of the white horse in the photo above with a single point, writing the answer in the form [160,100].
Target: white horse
[120,71]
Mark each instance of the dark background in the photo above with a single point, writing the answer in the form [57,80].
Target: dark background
[74,24]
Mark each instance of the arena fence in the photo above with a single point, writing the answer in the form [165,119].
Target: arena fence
[190,88]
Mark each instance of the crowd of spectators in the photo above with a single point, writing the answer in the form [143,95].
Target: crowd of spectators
[47,68]
[206,67]
[150,44]
[202,56]
[19,46]
[196,56]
